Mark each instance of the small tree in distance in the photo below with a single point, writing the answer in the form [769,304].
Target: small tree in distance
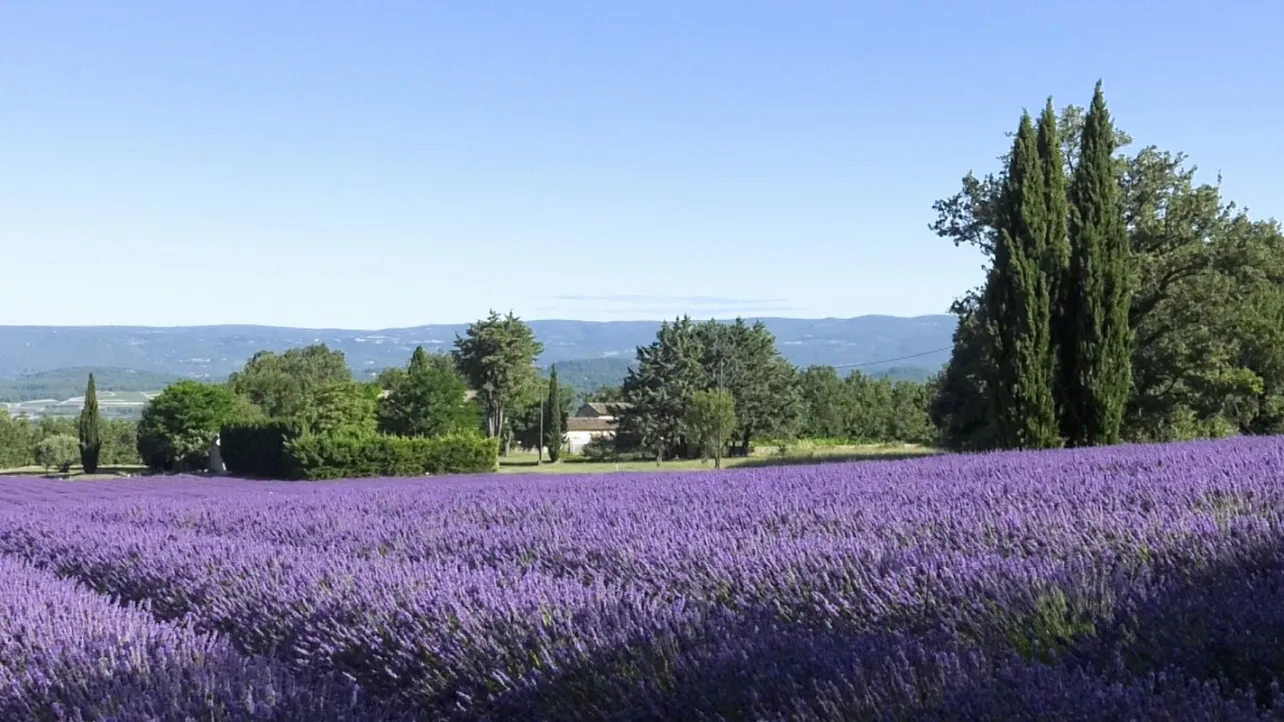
[90,428]
[58,452]
[711,419]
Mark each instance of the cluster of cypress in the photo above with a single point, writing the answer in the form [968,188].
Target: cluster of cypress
[1057,297]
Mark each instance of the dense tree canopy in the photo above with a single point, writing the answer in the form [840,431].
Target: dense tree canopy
[180,423]
[1202,278]
[1097,341]
[287,385]
[427,398]
[496,357]
[1019,303]
[659,388]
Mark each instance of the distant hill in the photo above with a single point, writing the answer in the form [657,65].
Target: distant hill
[66,383]
[592,374]
[212,352]
[588,375]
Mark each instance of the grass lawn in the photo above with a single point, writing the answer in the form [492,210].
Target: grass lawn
[76,473]
[525,462]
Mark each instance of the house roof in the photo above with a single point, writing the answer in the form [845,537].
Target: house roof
[589,424]
[606,408]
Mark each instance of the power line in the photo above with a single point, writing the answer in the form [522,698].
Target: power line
[891,360]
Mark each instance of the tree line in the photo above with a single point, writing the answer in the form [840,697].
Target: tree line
[1123,301]
[57,443]
[703,386]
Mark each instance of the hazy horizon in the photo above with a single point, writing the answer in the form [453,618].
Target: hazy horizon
[465,323]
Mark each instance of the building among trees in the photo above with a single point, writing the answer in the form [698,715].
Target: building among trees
[593,420]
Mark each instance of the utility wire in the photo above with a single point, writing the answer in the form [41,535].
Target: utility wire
[891,360]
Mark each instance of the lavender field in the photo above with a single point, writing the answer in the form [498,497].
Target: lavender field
[1130,583]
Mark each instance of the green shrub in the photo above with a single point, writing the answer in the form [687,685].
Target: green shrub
[58,452]
[463,453]
[258,449]
[349,455]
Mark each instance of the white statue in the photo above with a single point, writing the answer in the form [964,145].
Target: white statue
[216,458]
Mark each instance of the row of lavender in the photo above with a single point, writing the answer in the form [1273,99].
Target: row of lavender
[69,654]
[1130,582]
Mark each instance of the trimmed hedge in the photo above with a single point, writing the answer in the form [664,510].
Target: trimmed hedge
[258,449]
[280,450]
[348,455]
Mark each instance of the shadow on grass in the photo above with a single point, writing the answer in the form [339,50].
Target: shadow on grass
[103,472]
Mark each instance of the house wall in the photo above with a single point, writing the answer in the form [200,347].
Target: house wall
[577,440]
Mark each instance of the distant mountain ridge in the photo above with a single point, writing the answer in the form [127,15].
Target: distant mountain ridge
[872,343]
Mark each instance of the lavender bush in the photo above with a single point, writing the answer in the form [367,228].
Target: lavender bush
[1127,583]
[69,654]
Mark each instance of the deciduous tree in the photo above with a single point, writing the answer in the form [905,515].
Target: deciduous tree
[178,425]
[495,356]
[711,419]
[286,385]
[58,452]
[427,398]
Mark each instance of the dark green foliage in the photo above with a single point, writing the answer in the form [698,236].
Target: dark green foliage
[348,455]
[1202,277]
[178,425]
[554,418]
[961,407]
[862,408]
[1056,253]
[286,386]
[120,443]
[427,398]
[660,386]
[90,430]
[1097,368]
[1019,306]
[743,360]
[341,405]
[496,358]
[258,449]
[685,358]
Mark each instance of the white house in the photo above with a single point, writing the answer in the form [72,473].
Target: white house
[591,421]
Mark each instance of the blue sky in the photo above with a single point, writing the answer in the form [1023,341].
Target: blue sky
[370,165]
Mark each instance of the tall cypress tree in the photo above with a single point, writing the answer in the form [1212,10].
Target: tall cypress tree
[553,426]
[1099,369]
[1020,306]
[90,428]
[1056,250]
